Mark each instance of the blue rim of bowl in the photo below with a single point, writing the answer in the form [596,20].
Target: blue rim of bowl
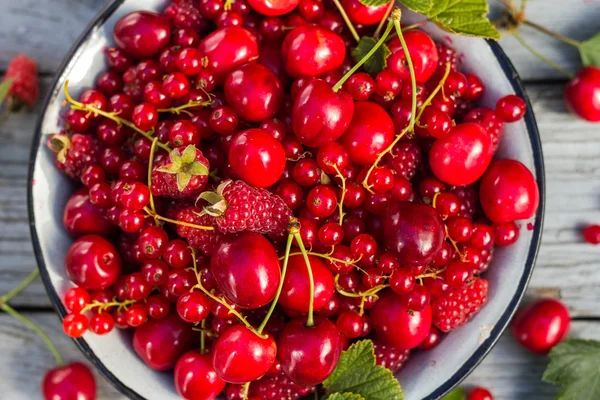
[460,374]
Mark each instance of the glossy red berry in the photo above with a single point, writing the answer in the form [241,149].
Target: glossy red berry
[511,108]
[195,377]
[582,94]
[591,234]
[360,86]
[306,172]
[505,234]
[193,307]
[136,315]
[541,325]
[75,325]
[322,201]
[92,262]
[76,299]
[331,234]
[423,53]
[224,120]
[480,393]
[190,61]
[102,323]
[71,381]
[145,116]
[142,34]
[295,294]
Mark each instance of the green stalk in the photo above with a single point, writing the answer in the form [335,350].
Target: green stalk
[311,281]
[541,56]
[411,68]
[150,165]
[19,288]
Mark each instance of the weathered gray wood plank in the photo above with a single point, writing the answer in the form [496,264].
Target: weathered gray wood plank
[46,33]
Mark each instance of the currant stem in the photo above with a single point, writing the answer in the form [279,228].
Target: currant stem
[9,310]
[540,56]
[150,165]
[325,256]
[311,282]
[286,258]
[341,203]
[384,19]
[19,288]
[347,20]
[110,115]
[176,222]
[103,306]
[183,108]
[435,91]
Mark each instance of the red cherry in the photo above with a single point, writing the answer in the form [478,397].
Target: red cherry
[81,216]
[75,325]
[310,50]
[240,356]
[273,8]
[369,133]
[398,326]
[295,294]
[92,262]
[508,191]
[582,94]
[309,354]
[195,377]
[541,325]
[591,234]
[511,108]
[257,158]
[364,15]
[480,393]
[413,232]
[193,307]
[142,33]
[254,92]
[228,48]
[423,53]
[321,115]
[462,157]
[247,287]
[71,381]
[160,343]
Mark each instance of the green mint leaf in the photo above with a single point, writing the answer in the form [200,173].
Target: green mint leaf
[590,51]
[378,61]
[4,89]
[345,396]
[357,373]
[575,365]
[420,6]
[458,393]
[464,17]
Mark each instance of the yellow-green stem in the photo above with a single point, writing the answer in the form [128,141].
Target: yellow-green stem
[176,222]
[311,282]
[384,19]
[347,20]
[411,69]
[19,288]
[183,108]
[435,91]
[539,55]
[341,203]
[150,165]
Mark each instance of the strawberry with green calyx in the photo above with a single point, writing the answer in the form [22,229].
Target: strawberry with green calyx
[182,174]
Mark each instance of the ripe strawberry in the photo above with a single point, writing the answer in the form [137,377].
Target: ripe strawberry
[204,240]
[24,89]
[182,174]
[457,306]
[278,387]
[239,207]
[405,158]
[390,357]
[74,153]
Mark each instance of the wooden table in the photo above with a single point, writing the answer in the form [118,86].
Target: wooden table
[566,268]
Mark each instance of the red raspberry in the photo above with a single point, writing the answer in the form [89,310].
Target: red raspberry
[182,174]
[469,198]
[25,87]
[278,387]
[74,153]
[239,207]
[456,307]
[447,54]
[185,15]
[204,240]
[405,158]
[390,357]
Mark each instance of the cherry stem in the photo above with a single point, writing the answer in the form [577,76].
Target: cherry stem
[384,19]
[435,91]
[347,21]
[110,115]
[348,74]
[150,165]
[19,288]
[176,222]
[286,258]
[341,203]
[183,108]
[411,68]
[311,282]
[228,4]
[9,310]
[245,389]
[202,337]
[104,306]
[325,256]
[543,58]
[415,25]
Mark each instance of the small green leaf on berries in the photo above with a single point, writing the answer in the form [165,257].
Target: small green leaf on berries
[185,166]
[357,373]
[590,51]
[420,6]
[575,365]
[458,393]
[345,396]
[464,17]
[4,89]
[378,61]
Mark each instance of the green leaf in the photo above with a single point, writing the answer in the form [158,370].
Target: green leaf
[357,373]
[458,393]
[197,168]
[170,168]
[464,17]
[4,89]
[575,365]
[420,6]
[345,396]
[378,60]
[590,51]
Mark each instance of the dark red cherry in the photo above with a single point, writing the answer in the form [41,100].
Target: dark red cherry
[254,92]
[228,48]
[413,232]
[309,354]
[398,326]
[321,115]
[582,94]
[195,378]
[81,216]
[71,381]
[257,158]
[93,263]
[369,133]
[240,356]
[160,342]
[423,53]
[361,14]
[142,33]
[272,8]
[310,50]
[247,287]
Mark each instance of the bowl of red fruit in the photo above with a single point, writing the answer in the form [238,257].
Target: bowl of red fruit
[222,200]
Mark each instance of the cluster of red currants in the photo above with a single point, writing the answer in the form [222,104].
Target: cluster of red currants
[388,180]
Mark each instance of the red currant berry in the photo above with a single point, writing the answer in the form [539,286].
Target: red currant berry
[331,234]
[193,307]
[350,324]
[155,272]
[591,234]
[510,108]
[76,299]
[505,234]
[75,325]
[417,299]
[480,393]
[158,306]
[176,85]
[360,86]
[136,314]
[102,323]
[321,201]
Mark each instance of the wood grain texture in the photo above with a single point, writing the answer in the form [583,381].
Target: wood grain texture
[46,33]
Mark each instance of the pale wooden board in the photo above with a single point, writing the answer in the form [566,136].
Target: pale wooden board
[47,32]
[509,371]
